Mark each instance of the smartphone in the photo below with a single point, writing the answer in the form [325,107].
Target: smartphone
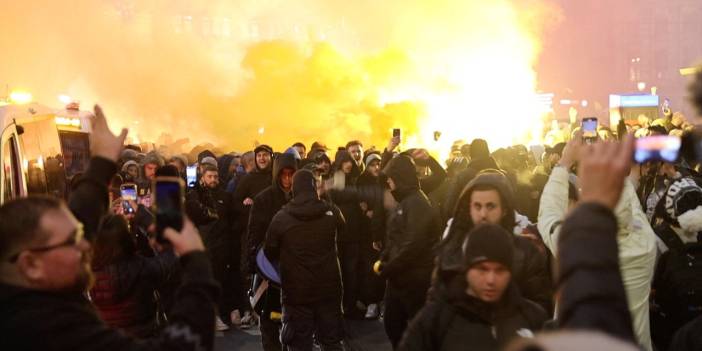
[589,128]
[168,198]
[396,133]
[191,175]
[128,192]
[664,148]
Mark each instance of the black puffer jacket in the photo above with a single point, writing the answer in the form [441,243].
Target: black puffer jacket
[530,273]
[462,322]
[266,205]
[413,229]
[212,212]
[302,239]
[249,186]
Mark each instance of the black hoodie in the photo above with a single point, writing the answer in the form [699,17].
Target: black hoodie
[302,239]
[530,273]
[266,204]
[413,229]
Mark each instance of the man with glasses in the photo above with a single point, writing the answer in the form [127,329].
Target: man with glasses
[45,270]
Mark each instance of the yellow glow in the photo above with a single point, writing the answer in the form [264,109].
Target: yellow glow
[67,121]
[65,99]
[20,97]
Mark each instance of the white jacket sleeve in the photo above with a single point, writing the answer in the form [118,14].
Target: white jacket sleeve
[553,207]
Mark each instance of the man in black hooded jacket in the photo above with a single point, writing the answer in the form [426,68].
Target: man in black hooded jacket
[265,205]
[302,239]
[480,160]
[413,230]
[530,273]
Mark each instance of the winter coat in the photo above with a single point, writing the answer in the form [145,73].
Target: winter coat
[689,337]
[462,322]
[212,212]
[124,292]
[530,273]
[266,204]
[635,238]
[302,240]
[413,230]
[248,187]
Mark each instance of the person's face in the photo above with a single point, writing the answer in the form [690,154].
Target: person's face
[488,281]
[63,263]
[133,171]
[301,151]
[263,159]
[356,152]
[210,179]
[486,207]
[325,167]
[346,167]
[150,170]
[286,176]
[374,168]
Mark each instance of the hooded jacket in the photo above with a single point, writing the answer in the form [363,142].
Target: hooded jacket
[635,238]
[302,239]
[212,212]
[251,185]
[413,229]
[461,320]
[266,205]
[349,205]
[530,273]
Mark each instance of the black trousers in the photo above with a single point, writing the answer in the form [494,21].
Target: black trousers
[401,305]
[270,333]
[321,320]
[349,259]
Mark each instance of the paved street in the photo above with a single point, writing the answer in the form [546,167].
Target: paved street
[361,336]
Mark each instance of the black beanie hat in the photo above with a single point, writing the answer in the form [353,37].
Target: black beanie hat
[488,242]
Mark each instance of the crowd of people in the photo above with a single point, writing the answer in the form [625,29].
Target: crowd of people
[562,247]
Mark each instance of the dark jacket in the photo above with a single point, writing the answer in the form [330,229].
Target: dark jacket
[124,292]
[41,320]
[530,273]
[689,337]
[592,294]
[462,322]
[266,205]
[413,229]
[249,186]
[302,239]
[428,184]
[212,212]
[349,205]
[373,226]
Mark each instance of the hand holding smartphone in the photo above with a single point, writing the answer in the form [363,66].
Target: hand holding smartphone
[589,128]
[168,205]
[128,193]
[664,148]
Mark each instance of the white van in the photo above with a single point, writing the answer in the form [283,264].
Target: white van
[41,149]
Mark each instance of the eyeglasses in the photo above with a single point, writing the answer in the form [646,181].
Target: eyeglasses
[73,240]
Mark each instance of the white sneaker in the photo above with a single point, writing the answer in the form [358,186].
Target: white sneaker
[248,320]
[372,312]
[219,325]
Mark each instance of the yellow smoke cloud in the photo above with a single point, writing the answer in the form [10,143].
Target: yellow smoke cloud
[223,72]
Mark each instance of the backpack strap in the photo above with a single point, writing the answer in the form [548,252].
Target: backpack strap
[666,233]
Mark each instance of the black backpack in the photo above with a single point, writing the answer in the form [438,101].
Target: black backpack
[680,272]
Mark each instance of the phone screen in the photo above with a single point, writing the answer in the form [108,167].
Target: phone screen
[191,176]
[589,128]
[168,194]
[128,192]
[657,148]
